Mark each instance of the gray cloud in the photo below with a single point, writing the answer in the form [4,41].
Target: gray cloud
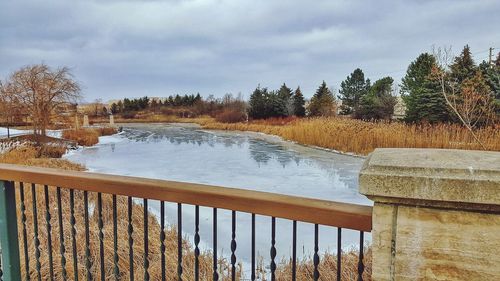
[157,48]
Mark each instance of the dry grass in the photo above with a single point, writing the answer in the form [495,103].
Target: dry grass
[31,156]
[359,137]
[328,267]
[85,137]
[88,136]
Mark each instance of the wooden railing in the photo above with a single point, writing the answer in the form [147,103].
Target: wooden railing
[14,179]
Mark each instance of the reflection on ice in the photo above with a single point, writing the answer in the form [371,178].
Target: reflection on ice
[233,159]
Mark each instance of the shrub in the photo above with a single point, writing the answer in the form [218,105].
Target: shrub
[107,131]
[85,137]
[128,115]
[230,116]
[51,151]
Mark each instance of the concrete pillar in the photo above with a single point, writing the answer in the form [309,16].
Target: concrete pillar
[77,123]
[436,214]
[85,120]
[111,120]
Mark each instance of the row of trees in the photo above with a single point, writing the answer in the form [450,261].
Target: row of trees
[441,88]
[281,103]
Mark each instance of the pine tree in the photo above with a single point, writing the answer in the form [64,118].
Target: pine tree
[379,102]
[463,66]
[323,102]
[352,90]
[257,104]
[285,97]
[299,109]
[421,94]
[491,74]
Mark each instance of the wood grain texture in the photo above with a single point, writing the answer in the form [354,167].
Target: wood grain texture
[323,212]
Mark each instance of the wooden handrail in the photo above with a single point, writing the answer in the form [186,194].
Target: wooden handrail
[345,215]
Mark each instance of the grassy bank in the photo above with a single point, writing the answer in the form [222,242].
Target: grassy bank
[88,136]
[359,137]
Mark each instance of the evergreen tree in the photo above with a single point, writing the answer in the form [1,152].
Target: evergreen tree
[114,108]
[299,109]
[379,102]
[491,74]
[421,94]
[352,90]
[322,102]
[284,101]
[257,104]
[463,66]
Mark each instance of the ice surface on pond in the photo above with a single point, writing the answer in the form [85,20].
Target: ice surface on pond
[233,159]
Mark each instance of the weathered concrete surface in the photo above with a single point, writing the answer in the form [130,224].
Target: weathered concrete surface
[436,214]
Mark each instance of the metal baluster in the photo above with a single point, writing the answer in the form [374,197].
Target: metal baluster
[100,225]
[73,232]
[273,248]
[233,247]
[25,235]
[196,243]
[116,269]
[35,230]
[62,249]
[87,236]
[179,241]
[253,248]
[216,274]
[316,249]
[1,272]
[294,251]
[49,232]
[162,240]
[339,253]
[361,266]
[130,240]
[146,242]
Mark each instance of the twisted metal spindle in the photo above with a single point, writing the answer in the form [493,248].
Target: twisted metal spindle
[162,240]
[130,239]
[100,225]
[146,242]
[361,266]
[25,234]
[49,232]
[233,246]
[62,249]
[196,243]
[88,264]
[73,232]
[273,248]
[316,256]
[35,230]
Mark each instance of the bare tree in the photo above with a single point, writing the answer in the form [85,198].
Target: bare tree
[41,90]
[10,109]
[470,100]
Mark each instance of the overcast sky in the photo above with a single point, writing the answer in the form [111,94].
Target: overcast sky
[158,48]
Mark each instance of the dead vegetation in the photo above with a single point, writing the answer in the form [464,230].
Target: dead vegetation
[88,136]
[360,137]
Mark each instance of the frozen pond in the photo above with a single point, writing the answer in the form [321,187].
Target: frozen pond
[233,159]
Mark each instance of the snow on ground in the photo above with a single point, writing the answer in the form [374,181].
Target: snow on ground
[13,132]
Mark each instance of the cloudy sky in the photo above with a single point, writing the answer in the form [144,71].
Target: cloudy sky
[157,48]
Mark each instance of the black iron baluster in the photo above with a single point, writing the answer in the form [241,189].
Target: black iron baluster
[62,249]
[339,253]
[253,248]
[130,239]
[49,232]
[162,240]
[361,266]
[87,235]
[316,249]
[35,230]
[1,272]
[216,274]
[196,242]
[294,251]
[273,248]
[179,241]
[116,269]
[146,242]
[25,235]
[233,247]
[73,232]
[100,225]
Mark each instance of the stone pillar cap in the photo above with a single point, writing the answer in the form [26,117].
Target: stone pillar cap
[433,177]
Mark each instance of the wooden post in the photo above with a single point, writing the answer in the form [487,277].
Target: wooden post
[9,243]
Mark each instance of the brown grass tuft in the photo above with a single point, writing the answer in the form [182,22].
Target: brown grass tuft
[85,137]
